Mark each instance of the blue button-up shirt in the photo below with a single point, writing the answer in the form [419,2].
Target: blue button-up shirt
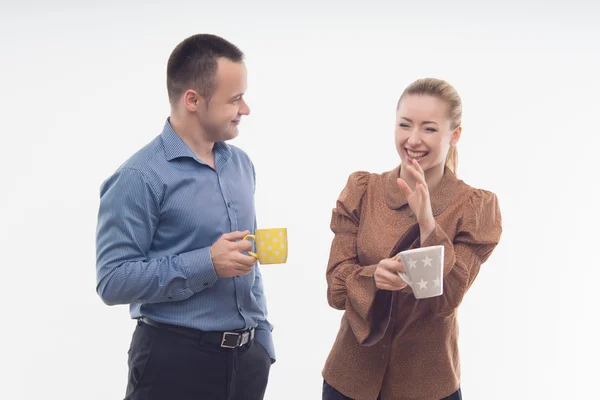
[159,214]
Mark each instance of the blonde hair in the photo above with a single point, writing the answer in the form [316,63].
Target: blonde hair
[444,91]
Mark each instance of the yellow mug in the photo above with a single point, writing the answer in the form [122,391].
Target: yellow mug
[271,245]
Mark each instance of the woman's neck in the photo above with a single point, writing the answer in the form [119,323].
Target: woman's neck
[433,176]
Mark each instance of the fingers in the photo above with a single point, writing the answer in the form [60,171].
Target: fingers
[398,266]
[385,286]
[388,280]
[404,187]
[242,266]
[242,270]
[422,191]
[243,245]
[239,264]
[389,277]
[419,176]
[420,180]
[236,235]
[417,166]
[244,259]
[392,265]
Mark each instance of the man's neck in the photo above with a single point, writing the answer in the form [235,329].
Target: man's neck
[195,138]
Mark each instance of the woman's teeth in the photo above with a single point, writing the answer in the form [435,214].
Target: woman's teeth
[416,154]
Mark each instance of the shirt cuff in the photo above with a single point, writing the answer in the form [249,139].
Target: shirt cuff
[438,237]
[368,271]
[198,268]
[265,338]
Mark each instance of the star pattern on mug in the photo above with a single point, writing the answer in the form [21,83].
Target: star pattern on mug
[422,284]
[427,261]
[436,282]
[412,263]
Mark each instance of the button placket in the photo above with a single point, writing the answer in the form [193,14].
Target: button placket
[229,205]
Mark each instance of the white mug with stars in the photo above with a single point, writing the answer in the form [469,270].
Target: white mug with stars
[424,270]
[271,245]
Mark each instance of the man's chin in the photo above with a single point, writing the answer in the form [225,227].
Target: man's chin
[231,134]
[225,136]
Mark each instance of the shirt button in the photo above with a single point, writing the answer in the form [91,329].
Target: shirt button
[205,283]
[229,204]
[240,309]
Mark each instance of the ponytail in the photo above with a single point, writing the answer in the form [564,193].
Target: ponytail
[452,158]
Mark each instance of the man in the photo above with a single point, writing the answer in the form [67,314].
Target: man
[170,225]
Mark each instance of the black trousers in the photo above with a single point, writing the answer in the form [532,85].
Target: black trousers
[165,365]
[329,393]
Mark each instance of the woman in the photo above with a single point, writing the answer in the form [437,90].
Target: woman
[390,345]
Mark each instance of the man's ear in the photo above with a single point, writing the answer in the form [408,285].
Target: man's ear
[192,100]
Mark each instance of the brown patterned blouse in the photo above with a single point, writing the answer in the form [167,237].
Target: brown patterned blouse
[390,342]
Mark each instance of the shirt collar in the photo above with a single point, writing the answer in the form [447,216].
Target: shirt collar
[440,196]
[175,147]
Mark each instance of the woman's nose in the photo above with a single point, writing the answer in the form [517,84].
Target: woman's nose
[415,137]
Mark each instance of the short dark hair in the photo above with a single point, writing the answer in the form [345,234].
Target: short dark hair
[193,64]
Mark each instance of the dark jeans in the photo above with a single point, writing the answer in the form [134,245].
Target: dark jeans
[329,393]
[165,365]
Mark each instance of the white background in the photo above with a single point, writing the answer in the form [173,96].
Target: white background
[83,87]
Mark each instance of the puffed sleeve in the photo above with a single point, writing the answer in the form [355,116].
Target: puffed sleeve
[351,286]
[478,233]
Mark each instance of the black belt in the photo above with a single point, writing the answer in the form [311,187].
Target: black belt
[229,340]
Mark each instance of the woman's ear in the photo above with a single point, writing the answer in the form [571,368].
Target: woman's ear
[456,136]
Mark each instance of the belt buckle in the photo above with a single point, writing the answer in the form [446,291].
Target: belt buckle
[245,338]
[227,335]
